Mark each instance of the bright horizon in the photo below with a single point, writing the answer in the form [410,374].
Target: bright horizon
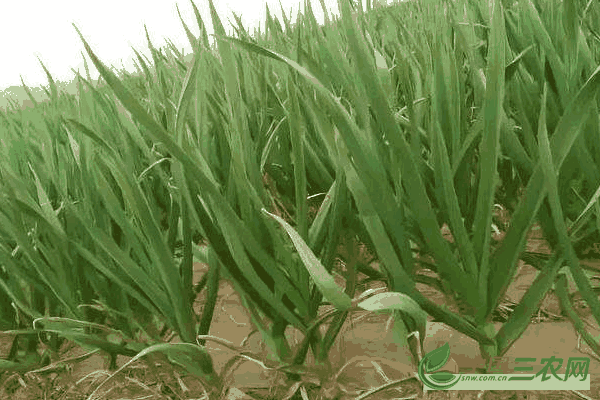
[112,29]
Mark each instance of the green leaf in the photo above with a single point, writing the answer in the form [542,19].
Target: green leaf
[397,301]
[324,281]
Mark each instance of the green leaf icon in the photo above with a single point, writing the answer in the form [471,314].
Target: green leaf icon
[442,377]
[436,359]
[433,361]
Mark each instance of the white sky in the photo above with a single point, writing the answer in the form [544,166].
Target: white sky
[42,28]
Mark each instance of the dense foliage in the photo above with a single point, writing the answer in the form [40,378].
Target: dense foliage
[270,149]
